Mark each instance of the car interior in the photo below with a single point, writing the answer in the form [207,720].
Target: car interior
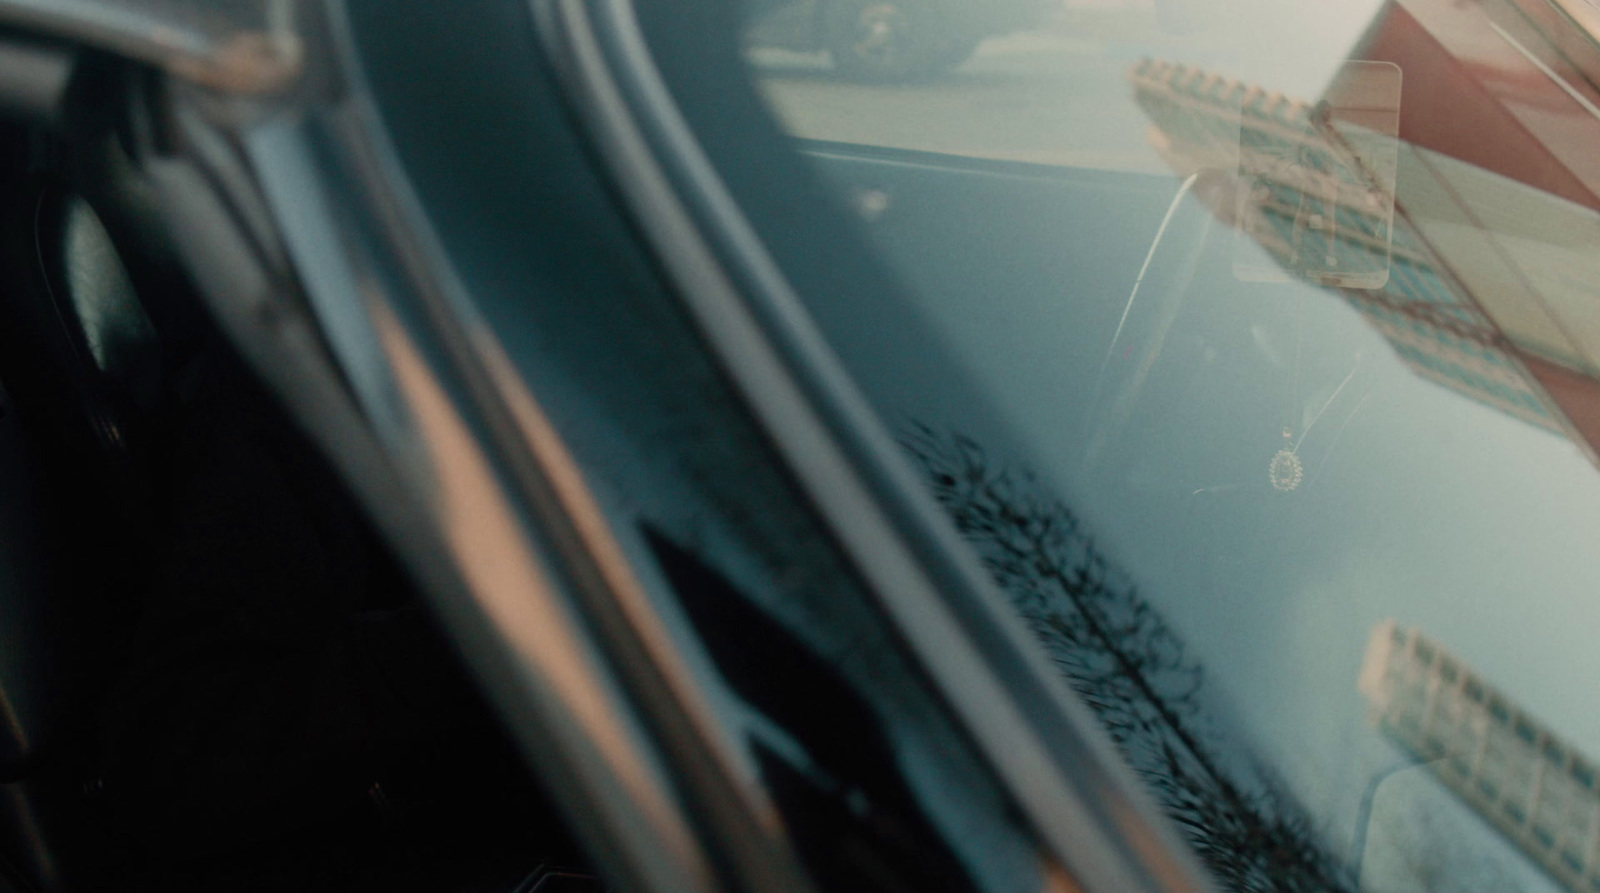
[121,410]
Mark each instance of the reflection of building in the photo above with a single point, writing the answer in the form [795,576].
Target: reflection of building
[1316,183]
[1534,787]
[1323,204]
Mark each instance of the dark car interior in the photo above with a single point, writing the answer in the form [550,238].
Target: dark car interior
[212,673]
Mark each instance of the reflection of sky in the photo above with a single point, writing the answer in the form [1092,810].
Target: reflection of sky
[1431,508]
[1421,505]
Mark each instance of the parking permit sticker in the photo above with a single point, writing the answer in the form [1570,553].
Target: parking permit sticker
[1317,181]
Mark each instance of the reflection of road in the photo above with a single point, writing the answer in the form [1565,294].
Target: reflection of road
[1059,95]
[1030,97]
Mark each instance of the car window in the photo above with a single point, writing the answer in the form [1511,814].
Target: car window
[1252,346]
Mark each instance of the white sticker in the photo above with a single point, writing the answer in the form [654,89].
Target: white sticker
[1317,181]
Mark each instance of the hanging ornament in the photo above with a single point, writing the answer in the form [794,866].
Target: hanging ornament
[1286,471]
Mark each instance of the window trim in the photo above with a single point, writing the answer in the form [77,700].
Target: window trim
[1061,768]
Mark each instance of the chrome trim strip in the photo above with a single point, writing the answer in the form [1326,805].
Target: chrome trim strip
[1058,764]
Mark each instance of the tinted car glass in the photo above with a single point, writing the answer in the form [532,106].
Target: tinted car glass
[1251,345]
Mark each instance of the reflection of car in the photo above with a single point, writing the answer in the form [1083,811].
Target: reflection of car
[893,39]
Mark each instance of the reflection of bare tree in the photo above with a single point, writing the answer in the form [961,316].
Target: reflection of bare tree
[1129,665]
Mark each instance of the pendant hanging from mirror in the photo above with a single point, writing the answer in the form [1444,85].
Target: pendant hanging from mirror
[1286,471]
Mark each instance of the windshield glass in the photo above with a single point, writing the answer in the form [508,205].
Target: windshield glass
[1253,346]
